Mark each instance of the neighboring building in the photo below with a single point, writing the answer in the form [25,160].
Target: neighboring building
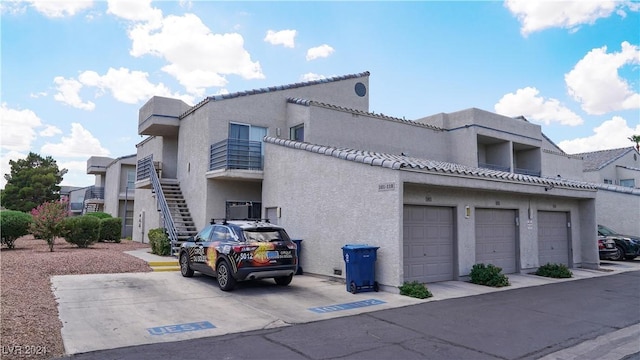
[437,195]
[617,175]
[613,167]
[114,188]
[75,196]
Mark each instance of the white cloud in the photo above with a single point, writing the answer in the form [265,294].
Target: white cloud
[596,84]
[38,95]
[282,37]
[78,145]
[139,10]
[18,128]
[528,103]
[69,93]
[611,134]
[76,173]
[196,57]
[5,167]
[545,14]
[312,77]
[321,51]
[50,131]
[60,8]
[126,86]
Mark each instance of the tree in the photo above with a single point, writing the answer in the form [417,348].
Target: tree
[48,221]
[636,139]
[32,181]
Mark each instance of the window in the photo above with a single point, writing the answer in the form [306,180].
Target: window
[297,133]
[246,132]
[131,179]
[608,181]
[628,182]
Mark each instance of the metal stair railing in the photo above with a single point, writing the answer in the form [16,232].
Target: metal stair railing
[147,169]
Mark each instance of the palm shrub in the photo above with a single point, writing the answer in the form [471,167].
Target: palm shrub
[110,229]
[558,271]
[82,230]
[489,275]
[415,289]
[159,241]
[13,224]
[48,220]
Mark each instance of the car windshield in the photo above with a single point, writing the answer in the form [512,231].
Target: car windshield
[605,230]
[264,235]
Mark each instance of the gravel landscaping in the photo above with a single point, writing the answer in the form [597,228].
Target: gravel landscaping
[29,313]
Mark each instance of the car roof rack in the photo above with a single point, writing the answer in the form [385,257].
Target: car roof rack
[225,220]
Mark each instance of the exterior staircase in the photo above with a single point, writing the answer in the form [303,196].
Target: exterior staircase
[179,212]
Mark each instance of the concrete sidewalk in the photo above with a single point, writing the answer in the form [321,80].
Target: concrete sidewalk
[107,311]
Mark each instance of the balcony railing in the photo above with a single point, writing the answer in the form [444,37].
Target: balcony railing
[94,192]
[235,154]
[527,172]
[494,167]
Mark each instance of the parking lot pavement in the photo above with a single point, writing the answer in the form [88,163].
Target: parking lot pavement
[107,311]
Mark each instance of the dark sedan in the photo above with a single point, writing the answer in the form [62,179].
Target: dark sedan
[627,246]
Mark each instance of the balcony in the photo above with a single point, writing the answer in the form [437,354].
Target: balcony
[527,172]
[494,167]
[94,195]
[236,159]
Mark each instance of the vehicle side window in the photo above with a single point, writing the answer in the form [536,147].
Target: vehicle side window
[205,234]
[221,233]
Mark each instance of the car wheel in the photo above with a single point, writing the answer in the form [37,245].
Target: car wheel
[376,286]
[619,255]
[185,269]
[283,280]
[225,277]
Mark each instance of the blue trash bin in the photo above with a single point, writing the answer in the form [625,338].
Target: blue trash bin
[298,250]
[360,263]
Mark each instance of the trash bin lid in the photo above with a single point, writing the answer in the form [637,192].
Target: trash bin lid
[358,247]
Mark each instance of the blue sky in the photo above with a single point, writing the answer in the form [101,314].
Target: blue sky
[75,73]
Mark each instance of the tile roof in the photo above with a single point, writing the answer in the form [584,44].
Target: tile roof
[400,162]
[306,102]
[596,160]
[271,89]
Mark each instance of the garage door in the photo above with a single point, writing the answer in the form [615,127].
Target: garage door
[496,238]
[428,243]
[553,238]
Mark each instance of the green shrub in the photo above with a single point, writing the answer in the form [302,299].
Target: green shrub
[82,230]
[99,215]
[159,241]
[13,224]
[110,229]
[489,275]
[558,271]
[415,289]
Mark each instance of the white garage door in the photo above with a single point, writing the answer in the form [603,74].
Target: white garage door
[496,238]
[553,238]
[428,243]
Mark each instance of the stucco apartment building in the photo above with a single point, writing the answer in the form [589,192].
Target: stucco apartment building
[436,195]
[113,191]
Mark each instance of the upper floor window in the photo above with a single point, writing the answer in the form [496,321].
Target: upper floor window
[297,133]
[608,181]
[628,182]
[131,179]
[246,132]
